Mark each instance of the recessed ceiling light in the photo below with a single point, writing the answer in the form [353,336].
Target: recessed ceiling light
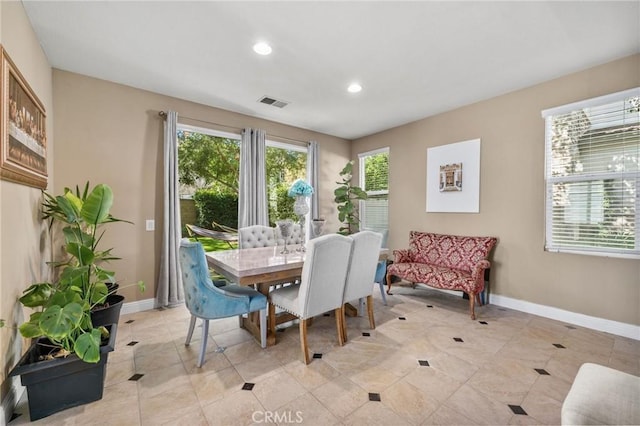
[354,88]
[262,48]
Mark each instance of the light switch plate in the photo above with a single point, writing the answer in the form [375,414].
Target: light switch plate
[151,225]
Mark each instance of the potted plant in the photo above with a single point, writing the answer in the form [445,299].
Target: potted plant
[65,364]
[346,197]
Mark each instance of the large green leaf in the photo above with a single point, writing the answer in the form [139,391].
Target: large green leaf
[83,253]
[64,298]
[99,292]
[74,276]
[59,323]
[104,275]
[36,295]
[87,346]
[31,329]
[74,201]
[67,208]
[73,234]
[96,207]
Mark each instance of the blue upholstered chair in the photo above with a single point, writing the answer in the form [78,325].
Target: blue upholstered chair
[207,302]
[380,279]
[381,269]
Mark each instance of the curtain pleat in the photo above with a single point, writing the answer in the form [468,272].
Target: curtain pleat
[252,197]
[170,291]
[312,175]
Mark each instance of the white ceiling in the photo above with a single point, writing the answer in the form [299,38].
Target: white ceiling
[413,59]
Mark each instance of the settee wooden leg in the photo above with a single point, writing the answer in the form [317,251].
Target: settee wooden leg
[478,299]
[472,305]
[388,284]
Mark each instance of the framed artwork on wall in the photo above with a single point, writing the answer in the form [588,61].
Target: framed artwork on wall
[23,136]
[445,191]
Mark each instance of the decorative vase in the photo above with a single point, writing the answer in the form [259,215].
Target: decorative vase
[286,227]
[301,208]
[316,227]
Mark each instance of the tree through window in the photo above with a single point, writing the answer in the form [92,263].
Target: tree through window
[208,172]
[593,176]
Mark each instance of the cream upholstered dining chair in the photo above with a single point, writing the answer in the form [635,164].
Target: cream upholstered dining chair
[361,274]
[321,286]
[256,236]
[207,302]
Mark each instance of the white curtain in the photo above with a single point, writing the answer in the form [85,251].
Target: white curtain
[312,175]
[252,197]
[170,290]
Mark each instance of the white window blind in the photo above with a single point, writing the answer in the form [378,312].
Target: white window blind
[592,174]
[374,180]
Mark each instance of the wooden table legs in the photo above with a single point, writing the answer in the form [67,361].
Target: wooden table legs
[252,322]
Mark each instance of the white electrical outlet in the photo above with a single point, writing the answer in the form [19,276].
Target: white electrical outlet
[151,225]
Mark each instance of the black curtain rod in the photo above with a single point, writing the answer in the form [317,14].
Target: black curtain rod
[163,114]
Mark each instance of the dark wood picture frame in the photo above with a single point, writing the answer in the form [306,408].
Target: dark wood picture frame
[23,137]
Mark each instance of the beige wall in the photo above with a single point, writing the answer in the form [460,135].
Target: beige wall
[24,245]
[112,134]
[512,194]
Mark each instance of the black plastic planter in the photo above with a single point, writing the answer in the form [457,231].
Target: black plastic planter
[109,314]
[57,384]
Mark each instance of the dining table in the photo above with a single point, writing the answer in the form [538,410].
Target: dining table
[262,268]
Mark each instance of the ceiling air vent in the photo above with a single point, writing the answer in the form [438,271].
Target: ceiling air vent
[273,102]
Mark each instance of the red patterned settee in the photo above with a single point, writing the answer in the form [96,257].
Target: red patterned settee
[444,261]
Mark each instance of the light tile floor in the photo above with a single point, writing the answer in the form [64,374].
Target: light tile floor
[425,363]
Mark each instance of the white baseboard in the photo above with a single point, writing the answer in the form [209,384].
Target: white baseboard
[138,306]
[614,327]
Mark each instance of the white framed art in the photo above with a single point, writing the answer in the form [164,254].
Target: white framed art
[445,165]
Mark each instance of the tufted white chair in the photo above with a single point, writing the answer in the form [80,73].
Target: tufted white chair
[362,272]
[207,302]
[256,236]
[321,286]
[295,238]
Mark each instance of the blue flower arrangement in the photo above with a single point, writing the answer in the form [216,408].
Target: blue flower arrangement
[300,187]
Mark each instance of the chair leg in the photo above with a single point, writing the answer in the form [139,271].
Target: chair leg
[203,347]
[192,325]
[263,327]
[340,327]
[303,341]
[372,322]
[272,319]
[384,296]
[343,315]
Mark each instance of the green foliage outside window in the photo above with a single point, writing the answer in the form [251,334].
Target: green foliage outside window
[211,206]
[209,169]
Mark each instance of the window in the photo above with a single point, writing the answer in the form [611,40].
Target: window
[592,175]
[207,159]
[374,180]
[285,164]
